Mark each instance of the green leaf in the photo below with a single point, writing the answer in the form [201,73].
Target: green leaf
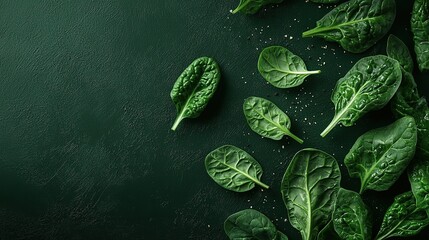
[357,24]
[397,50]
[418,174]
[403,218]
[194,88]
[266,119]
[250,224]
[369,85]
[326,1]
[380,156]
[234,169]
[328,232]
[351,217]
[281,236]
[282,68]
[309,189]
[420,29]
[253,6]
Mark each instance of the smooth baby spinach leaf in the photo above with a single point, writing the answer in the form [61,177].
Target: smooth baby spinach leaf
[397,50]
[403,218]
[282,68]
[250,224]
[351,217]
[418,174]
[369,85]
[234,169]
[309,189]
[266,119]
[194,88]
[357,24]
[420,29]
[379,156]
[253,6]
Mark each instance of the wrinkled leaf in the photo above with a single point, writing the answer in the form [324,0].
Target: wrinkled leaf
[420,29]
[418,174]
[266,119]
[253,6]
[380,156]
[250,224]
[397,50]
[234,169]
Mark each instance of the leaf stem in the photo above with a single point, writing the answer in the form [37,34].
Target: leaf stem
[261,184]
[176,122]
[312,32]
[330,127]
[294,137]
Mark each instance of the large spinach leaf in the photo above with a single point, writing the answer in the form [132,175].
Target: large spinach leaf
[420,29]
[418,174]
[369,85]
[309,189]
[266,119]
[379,156]
[351,216]
[397,50]
[253,6]
[357,24]
[194,88]
[282,68]
[403,218]
[234,169]
[250,224]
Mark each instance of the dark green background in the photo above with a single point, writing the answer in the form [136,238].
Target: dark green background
[86,150]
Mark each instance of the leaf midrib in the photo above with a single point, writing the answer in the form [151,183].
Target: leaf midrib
[284,130]
[323,29]
[239,171]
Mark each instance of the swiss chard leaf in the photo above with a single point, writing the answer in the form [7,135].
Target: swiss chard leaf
[309,189]
[379,156]
[234,169]
[357,24]
[351,217]
[266,119]
[420,29]
[194,88]
[403,218]
[397,50]
[282,68]
[253,6]
[418,174]
[369,85]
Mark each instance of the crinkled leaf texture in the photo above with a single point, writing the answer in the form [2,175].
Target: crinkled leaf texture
[397,50]
[418,174]
[420,29]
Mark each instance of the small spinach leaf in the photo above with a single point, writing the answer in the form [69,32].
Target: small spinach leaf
[194,88]
[266,119]
[420,29]
[397,50]
[351,217]
[282,68]
[309,189]
[234,169]
[253,6]
[357,24]
[369,85]
[379,156]
[418,174]
[403,218]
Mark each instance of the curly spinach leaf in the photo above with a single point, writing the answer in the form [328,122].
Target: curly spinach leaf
[357,24]
[234,169]
[252,225]
[194,88]
[369,85]
[418,174]
[253,6]
[403,218]
[282,68]
[397,50]
[309,189]
[266,119]
[351,217]
[420,29]
[380,156]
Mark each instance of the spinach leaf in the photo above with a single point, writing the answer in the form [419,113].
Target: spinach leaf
[357,24]
[281,236]
[326,1]
[249,224]
[266,119]
[328,233]
[253,6]
[282,68]
[420,29]
[379,156]
[234,169]
[403,218]
[194,88]
[351,217]
[309,189]
[407,99]
[397,50]
[369,85]
[418,174]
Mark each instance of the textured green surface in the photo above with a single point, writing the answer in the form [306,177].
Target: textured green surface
[86,149]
